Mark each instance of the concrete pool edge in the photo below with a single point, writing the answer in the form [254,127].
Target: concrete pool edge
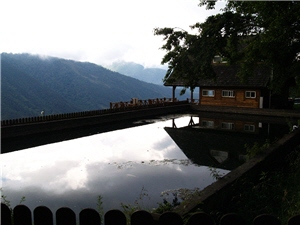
[218,193]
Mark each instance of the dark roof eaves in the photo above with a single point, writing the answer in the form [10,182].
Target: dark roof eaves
[226,77]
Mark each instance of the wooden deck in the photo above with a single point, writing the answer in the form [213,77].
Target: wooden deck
[248,111]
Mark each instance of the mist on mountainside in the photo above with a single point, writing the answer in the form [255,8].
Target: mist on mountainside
[150,75]
[31,84]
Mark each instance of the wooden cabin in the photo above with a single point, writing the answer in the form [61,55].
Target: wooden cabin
[227,89]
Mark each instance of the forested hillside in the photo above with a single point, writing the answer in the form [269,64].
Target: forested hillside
[31,84]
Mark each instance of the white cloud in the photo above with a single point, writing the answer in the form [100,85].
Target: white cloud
[92,30]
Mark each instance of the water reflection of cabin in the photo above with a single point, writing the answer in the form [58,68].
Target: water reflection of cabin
[218,143]
[229,90]
[229,125]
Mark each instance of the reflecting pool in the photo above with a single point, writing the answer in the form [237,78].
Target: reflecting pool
[133,165]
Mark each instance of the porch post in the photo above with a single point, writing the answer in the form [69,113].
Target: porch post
[199,101]
[173,123]
[173,93]
[192,95]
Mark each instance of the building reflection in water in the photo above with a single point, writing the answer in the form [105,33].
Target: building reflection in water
[221,142]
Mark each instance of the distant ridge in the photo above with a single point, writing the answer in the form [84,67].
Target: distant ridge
[150,75]
[31,84]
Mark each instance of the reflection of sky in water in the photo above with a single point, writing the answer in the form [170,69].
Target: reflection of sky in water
[116,165]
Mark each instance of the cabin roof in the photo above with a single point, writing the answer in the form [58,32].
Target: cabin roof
[226,76]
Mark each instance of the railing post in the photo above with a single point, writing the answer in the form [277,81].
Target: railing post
[114,217]
[266,219]
[65,216]
[42,216]
[231,219]
[5,215]
[201,218]
[295,220]
[22,215]
[141,218]
[170,218]
[89,217]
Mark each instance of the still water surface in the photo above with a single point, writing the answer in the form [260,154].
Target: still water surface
[118,165]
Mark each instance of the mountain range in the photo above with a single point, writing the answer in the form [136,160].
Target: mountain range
[31,84]
[150,75]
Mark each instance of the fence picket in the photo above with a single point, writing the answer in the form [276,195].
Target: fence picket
[295,220]
[114,217]
[266,219]
[42,216]
[231,219]
[22,215]
[201,218]
[141,218]
[65,216]
[170,218]
[89,217]
[5,215]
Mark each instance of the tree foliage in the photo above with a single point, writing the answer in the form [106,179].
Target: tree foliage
[245,33]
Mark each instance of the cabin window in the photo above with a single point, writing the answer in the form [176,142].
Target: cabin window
[207,123]
[250,94]
[249,128]
[228,93]
[227,126]
[208,93]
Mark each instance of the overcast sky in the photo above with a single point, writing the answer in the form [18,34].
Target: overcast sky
[97,31]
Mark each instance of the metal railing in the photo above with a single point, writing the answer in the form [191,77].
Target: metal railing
[140,103]
[114,107]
